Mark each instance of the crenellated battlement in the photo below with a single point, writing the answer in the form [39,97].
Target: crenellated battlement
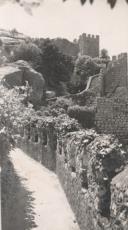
[83,36]
[116,74]
[119,57]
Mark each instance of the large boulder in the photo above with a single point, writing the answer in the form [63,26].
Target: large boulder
[10,76]
[20,72]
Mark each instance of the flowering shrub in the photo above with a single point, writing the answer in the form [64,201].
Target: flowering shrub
[57,107]
[13,111]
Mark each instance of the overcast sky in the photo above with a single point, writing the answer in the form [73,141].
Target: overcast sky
[56,19]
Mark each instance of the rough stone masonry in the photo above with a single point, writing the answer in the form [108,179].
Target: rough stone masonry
[90,167]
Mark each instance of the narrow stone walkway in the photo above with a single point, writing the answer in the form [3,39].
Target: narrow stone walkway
[52,211]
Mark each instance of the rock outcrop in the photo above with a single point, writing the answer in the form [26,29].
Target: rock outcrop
[20,72]
[119,200]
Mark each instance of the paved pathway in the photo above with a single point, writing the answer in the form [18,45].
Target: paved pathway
[52,211]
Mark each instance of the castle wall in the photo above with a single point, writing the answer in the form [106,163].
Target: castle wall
[86,166]
[116,74]
[40,144]
[111,116]
[77,196]
[83,161]
[89,45]
[95,84]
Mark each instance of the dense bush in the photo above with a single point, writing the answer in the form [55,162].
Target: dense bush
[14,109]
[62,102]
[56,107]
[65,124]
[86,97]
[85,115]
[13,114]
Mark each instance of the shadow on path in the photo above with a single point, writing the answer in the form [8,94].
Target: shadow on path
[17,201]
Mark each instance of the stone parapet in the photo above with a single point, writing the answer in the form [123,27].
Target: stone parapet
[86,164]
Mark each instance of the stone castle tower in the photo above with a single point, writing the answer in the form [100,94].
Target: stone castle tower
[89,45]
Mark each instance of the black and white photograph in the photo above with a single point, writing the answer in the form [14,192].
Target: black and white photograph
[63,114]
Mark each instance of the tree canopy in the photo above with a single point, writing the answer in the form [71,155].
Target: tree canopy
[104,54]
[55,66]
[27,51]
[47,59]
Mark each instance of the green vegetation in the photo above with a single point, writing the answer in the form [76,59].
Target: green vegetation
[29,52]
[64,75]
[85,67]
[14,108]
[56,67]
[16,112]
[84,115]
[46,58]
[67,47]
[56,107]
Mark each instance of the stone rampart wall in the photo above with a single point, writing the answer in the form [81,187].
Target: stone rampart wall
[40,144]
[72,173]
[96,84]
[85,163]
[112,116]
[116,74]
